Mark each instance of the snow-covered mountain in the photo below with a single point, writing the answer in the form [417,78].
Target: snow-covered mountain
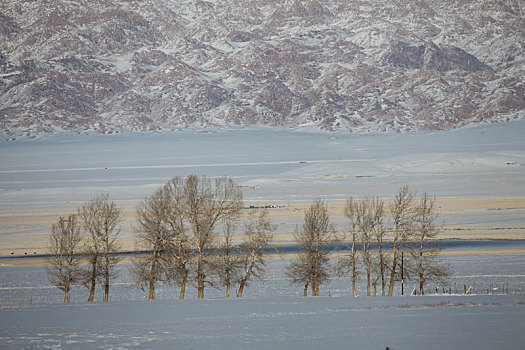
[380,65]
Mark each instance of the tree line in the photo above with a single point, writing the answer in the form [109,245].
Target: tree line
[407,225]
[191,231]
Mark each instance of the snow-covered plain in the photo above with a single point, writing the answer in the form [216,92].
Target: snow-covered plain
[42,179]
[279,164]
[28,285]
[272,314]
[495,322]
[478,173]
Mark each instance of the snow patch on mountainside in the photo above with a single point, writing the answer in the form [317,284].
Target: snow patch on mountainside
[115,66]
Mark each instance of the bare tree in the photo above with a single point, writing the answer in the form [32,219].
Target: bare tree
[314,239]
[425,248]
[365,218]
[378,231]
[376,273]
[149,269]
[299,272]
[258,230]
[180,219]
[369,213]
[402,213]
[348,263]
[206,204]
[228,263]
[178,245]
[162,232]
[63,262]
[366,223]
[100,219]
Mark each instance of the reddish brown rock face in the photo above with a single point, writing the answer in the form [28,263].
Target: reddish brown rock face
[110,66]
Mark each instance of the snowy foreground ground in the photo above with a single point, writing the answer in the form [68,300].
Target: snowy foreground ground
[272,315]
[28,285]
[430,322]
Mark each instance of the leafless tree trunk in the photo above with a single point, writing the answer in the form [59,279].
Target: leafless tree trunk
[376,272]
[228,264]
[374,283]
[180,261]
[366,223]
[366,254]
[63,262]
[205,206]
[425,248]
[183,283]
[258,231]
[314,238]
[348,263]
[369,214]
[153,236]
[379,235]
[299,271]
[146,273]
[100,219]
[178,245]
[382,258]
[402,214]
[91,274]
[161,230]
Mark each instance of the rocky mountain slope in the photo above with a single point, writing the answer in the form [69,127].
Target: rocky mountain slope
[381,65]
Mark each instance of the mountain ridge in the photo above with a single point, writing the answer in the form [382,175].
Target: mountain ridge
[115,66]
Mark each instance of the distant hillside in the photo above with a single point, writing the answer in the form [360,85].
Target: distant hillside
[111,66]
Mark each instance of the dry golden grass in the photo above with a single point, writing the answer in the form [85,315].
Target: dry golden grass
[24,229]
[10,306]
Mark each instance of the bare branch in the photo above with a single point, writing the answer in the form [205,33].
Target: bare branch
[314,239]
[62,265]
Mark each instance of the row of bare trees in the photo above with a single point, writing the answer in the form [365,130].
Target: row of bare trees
[177,233]
[83,247]
[376,238]
[191,231]
[178,225]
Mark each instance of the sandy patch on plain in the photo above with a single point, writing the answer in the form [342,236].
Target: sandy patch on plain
[25,231]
